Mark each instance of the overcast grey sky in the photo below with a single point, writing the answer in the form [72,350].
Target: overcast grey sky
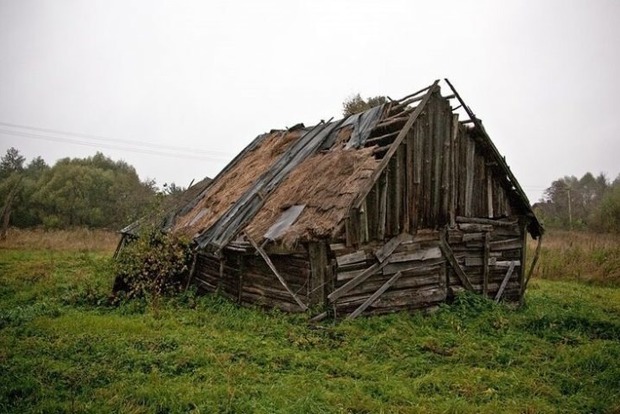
[206,77]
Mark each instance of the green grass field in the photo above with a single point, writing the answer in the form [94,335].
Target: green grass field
[65,348]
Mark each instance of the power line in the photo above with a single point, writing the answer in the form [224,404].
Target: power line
[120,141]
[109,146]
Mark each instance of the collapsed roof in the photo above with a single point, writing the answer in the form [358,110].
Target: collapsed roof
[295,185]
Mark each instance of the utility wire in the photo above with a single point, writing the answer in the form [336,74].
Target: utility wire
[120,141]
[109,146]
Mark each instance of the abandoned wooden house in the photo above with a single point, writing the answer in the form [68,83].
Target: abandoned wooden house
[394,208]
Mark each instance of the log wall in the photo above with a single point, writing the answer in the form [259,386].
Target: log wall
[498,245]
[248,280]
[422,282]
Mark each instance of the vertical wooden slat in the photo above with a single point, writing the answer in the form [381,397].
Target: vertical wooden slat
[317,254]
[383,206]
[469,174]
[426,190]
[523,228]
[418,161]
[398,190]
[371,213]
[438,163]
[453,158]
[485,264]
[241,267]
[489,194]
[409,188]
[364,222]
[445,180]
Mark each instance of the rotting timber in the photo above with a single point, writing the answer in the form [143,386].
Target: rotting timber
[396,208]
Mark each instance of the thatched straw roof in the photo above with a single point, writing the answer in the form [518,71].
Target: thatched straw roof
[296,185]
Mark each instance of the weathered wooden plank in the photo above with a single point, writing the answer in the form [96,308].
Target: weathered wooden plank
[337,247]
[388,248]
[397,141]
[469,176]
[453,180]
[533,265]
[359,278]
[507,263]
[357,256]
[426,235]
[479,261]
[407,298]
[424,254]
[275,271]
[478,220]
[508,244]
[374,296]
[473,237]
[485,262]
[383,182]
[449,255]
[405,282]
[415,267]
[409,189]
[504,282]
[475,228]
[408,246]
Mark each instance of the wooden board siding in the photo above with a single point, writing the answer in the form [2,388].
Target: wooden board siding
[505,244]
[438,171]
[422,283]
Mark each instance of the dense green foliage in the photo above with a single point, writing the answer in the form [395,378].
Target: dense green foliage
[95,192]
[65,348]
[154,264]
[590,202]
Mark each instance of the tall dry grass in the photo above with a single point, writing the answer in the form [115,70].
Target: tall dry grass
[580,256]
[78,239]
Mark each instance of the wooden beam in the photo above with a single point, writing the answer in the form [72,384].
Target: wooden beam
[399,139]
[275,271]
[476,220]
[505,282]
[449,255]
[533,265]
[414,94]
[342,290]
[375,296]
[388,248]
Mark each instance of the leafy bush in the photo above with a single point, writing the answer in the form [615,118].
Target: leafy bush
[152,265]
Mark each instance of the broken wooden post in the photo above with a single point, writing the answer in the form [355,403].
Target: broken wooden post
[505,282]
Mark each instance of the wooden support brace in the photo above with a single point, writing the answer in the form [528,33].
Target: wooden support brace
[192,270]
[505,282]
[342,290]
[375,296]
[275,271]
[533,265]
[388,248]
[449,255]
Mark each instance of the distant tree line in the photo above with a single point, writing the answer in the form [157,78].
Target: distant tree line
[586,203]
[93,192]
